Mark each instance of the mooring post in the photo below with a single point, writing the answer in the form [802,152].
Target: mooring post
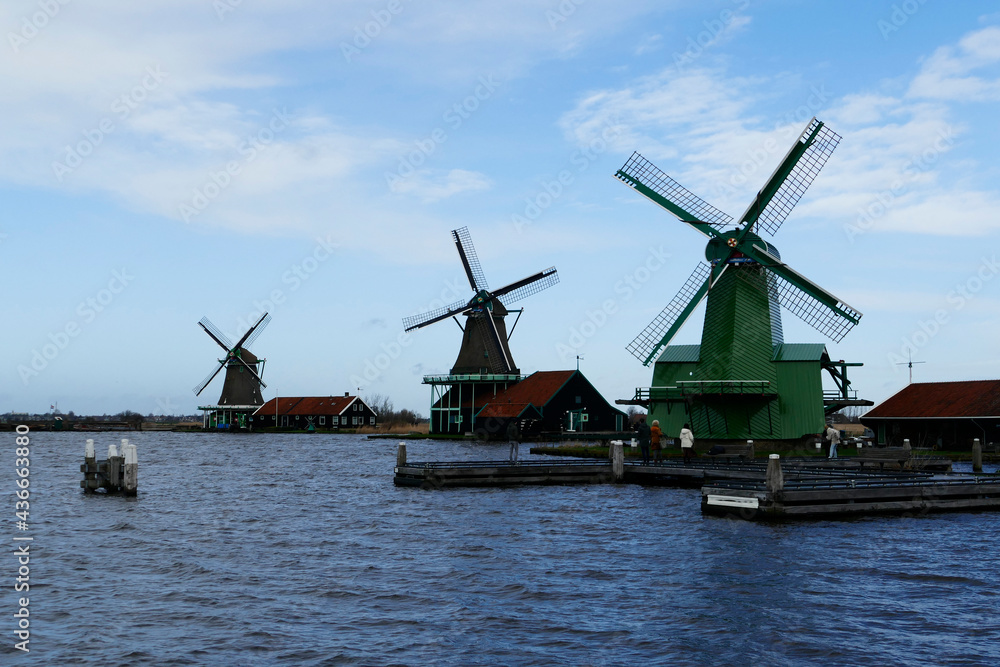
[618,461]
[89,467]
[977,456]
[906,443]
[131,483]
[401,455]
[774,480]
[113,471]
[750,449]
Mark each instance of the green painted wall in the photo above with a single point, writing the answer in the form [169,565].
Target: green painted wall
[801,384]
[736,338]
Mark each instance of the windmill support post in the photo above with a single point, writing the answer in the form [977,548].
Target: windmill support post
[118,473]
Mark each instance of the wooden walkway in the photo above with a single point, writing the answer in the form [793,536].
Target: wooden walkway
[768,490]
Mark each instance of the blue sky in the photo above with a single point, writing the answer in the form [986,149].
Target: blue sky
[163,161]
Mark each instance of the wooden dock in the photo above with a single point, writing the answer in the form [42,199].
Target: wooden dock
[440,475]
[806,499]
[768,490]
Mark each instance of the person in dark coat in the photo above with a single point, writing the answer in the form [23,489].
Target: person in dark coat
[643,432]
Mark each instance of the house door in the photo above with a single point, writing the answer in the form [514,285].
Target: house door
[284,420]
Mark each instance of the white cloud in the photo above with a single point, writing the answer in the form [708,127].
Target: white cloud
[433,185]
[948,74]
[894,157]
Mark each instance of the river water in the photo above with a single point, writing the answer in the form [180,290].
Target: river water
[298,550]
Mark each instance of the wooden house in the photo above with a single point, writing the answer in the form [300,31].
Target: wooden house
[942,415]
[544,402]
[324,413]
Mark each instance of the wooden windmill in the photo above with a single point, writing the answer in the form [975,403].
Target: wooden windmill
[743,381]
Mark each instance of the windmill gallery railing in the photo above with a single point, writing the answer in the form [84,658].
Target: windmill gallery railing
[701,388]
[473,377]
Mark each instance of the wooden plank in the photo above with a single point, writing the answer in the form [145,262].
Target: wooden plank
[897,506]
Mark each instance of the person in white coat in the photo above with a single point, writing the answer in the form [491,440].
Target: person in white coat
[687,442]
[833,435]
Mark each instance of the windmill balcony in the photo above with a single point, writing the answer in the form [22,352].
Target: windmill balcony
[837,395]
[473,377]
[706,388]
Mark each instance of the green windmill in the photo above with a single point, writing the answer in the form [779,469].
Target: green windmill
[744,381]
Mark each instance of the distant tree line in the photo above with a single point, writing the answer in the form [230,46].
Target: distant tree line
[388,415]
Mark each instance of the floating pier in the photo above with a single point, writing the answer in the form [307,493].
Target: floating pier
[119,473]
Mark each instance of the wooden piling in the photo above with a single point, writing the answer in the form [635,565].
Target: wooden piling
[774,478]
[88,452]
[750,452]
[114,468]
[130,485]
[401,455]
[977,456]
[618,461]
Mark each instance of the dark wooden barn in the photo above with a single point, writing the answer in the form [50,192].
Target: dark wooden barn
[324,413]
[945,415]
[545,402]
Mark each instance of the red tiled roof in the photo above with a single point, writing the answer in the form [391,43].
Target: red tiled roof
[537,389]
[307,405]
[500,410]
[928,400]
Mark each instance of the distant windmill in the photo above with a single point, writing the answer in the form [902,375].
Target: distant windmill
[484,343]
[909,363]
[243,368]
[731,381]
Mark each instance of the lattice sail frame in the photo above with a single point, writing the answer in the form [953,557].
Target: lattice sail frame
[463,238]
[420,318]
[643,345]
[640,170]
[806,307]
[525,291]
[799,178]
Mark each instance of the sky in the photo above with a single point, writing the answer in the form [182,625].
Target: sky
[168,160]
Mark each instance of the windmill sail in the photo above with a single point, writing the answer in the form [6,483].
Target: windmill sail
[648,180]
[522,289]
[792,177]
[423,319]
[658,333]
[216,334]
[814,305]
[473,270]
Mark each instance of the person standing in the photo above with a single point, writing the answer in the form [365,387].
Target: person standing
[687,442]
[833,435]
[514,439]
[644,432]
[655,434]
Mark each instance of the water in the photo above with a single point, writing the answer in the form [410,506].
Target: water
[298,550]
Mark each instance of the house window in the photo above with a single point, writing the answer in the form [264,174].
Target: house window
[372,420]
[336,420]
[578,400]
[322,420]
[354,421]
